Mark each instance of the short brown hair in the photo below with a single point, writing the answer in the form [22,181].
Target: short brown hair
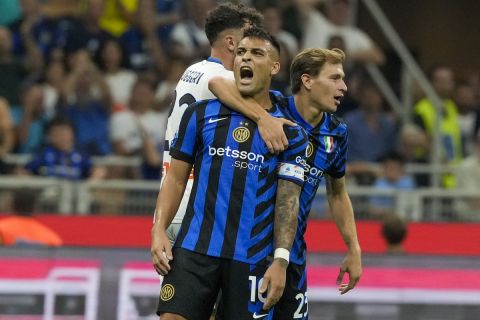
[230,16]
[310,61]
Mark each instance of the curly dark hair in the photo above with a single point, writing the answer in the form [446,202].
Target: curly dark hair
[230,16]
[259,33]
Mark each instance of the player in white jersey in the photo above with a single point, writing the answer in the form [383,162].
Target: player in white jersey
[224,28]
[192,87]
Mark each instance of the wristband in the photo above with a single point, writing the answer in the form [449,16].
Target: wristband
[282,253]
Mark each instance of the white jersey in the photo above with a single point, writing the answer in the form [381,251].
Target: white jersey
[192,87]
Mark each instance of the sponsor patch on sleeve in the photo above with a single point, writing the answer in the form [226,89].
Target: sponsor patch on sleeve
[291,170]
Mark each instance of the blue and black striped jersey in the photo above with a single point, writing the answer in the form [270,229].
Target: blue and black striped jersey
[326,154]
[230,212]
[52,162]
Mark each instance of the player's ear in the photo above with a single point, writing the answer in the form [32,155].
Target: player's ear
[306,81]
[229,42]
[275,68]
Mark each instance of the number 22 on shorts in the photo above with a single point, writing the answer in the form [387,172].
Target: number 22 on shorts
[302,300]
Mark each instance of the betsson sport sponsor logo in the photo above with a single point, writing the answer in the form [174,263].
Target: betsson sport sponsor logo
[313,175]
[251,160]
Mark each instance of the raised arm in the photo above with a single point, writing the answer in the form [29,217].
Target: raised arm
[342,211]
[168,201]
[271,128]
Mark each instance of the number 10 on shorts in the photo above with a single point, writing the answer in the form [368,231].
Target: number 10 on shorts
[254,293]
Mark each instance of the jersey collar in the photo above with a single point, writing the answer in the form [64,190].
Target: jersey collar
[297,117]
[212,59]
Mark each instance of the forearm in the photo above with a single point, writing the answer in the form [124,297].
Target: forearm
[342,211]
[105,94]
[24,128]
[154,47]
[227,92]
[171,193]
[6,128]
[286,213]
[373,55]
[166,209]
[35,61]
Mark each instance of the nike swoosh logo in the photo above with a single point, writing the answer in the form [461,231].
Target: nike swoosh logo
[258,316]
[216,120]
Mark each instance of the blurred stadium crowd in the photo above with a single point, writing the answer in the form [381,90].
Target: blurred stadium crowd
[95,78]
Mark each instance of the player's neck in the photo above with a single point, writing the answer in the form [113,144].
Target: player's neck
[263,99]
[225,57]
[308,113]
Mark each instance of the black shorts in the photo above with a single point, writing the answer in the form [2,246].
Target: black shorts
[194,281]
[294,302]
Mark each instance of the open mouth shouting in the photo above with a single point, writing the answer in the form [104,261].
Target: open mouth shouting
[246,75]
[338,99]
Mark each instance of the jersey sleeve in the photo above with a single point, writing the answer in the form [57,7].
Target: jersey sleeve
[183,146]
[292,161]
[337,170]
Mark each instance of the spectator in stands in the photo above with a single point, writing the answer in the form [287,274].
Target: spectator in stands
[143,50]
[443,81]
[288,45]
[394,232]
[319,28]
[131,129]
[53,87]
[473,80]
[118,15]
[9,12]
[167,15]
[274,23]
[188,36]
[119,79]
[30,119]
[63,8]
[14,71]
[392,177]
[413,146]
[372,132]
[468,115]
[60,159]
[7,134]
[86,33]
[468,178]
[87,96]
[22,228]
[33,27]
[164,93]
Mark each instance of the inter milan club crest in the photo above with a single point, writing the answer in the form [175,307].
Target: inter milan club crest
[309,151]
[329,144]
[241,134]
[167,292]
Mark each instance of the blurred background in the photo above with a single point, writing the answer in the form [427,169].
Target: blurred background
[85,92]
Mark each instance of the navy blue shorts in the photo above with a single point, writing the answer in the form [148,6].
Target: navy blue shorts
[294,302]
[194,281]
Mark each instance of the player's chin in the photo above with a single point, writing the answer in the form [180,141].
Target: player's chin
[332,109]
[246,90]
